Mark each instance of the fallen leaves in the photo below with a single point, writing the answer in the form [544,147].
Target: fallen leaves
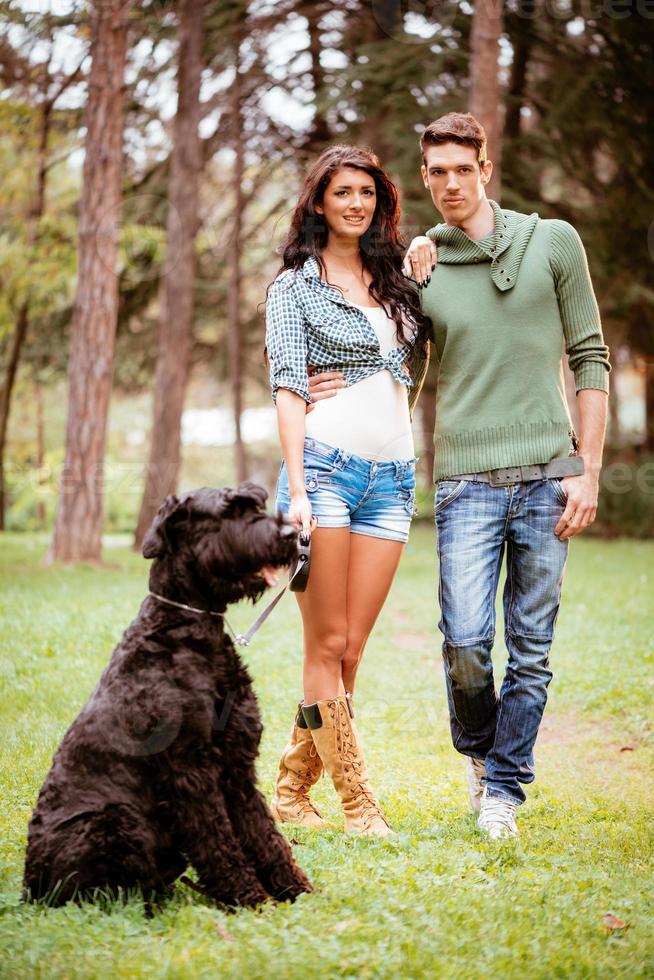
[613,924]
[222,932]
[344,924]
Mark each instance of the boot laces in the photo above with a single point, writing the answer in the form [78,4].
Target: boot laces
[353,766]
[304,805]
[302,781]
[300,790]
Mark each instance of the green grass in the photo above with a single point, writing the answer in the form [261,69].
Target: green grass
[438,900]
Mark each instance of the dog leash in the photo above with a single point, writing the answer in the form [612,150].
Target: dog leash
[242,639]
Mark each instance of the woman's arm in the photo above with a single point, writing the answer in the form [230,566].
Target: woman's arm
[291,414]
[286,342]
[420,260]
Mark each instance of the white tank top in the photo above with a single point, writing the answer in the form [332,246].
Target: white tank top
[370,418]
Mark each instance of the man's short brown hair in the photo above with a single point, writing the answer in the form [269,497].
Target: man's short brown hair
[455,127]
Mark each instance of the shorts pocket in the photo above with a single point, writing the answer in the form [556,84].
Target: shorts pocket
[316,478]
[410,505]
[407,492]
[446,492]
[321,466]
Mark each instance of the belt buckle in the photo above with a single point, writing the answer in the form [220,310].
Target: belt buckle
[504,476]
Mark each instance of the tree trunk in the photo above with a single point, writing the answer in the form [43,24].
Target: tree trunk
[40,451]
[319,134]
[17,340]
[515,94]
[379,23]
[614,435]
[235,338]
[78,525]
[649,405]
[485,96]
[22,320]
[177,285]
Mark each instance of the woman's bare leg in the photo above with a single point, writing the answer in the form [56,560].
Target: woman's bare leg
[324,613]
[371,569]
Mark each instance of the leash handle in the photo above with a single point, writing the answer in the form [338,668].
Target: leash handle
[300,580]
[243,639]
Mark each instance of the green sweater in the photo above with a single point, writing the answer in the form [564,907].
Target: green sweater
[503,309]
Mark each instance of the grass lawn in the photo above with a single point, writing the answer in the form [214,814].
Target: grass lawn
[436,901]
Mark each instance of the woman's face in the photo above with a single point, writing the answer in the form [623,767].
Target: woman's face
[349,202]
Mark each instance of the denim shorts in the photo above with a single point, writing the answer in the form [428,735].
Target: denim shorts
[345,490]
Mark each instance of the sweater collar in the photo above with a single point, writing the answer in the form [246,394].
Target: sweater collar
[511,236]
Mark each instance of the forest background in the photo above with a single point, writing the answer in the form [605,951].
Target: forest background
[150,157]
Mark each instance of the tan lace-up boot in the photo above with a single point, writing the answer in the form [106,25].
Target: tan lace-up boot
[300,768]
[336,738]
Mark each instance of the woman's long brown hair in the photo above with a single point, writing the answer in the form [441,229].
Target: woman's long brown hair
[382,247]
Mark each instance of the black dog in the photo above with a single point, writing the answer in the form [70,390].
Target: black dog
[158,769]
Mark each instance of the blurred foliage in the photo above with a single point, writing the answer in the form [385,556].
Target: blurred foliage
[578,144]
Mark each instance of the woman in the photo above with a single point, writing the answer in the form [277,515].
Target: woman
[342,303]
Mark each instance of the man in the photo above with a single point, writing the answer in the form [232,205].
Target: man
[508,292]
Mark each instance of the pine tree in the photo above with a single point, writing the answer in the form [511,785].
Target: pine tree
[78,526]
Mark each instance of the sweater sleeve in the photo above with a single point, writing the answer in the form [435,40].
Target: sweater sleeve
[286,340]
[584,343]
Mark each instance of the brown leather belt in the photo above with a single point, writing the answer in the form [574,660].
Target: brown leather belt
[506,475]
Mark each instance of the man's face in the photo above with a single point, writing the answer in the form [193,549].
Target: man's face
[455,179]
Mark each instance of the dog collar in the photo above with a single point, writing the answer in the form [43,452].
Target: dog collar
[182,605]
[243,639]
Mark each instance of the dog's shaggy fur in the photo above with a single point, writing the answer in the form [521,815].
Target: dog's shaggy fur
[158,769]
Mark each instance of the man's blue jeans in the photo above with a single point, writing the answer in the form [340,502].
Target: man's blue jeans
[475,522]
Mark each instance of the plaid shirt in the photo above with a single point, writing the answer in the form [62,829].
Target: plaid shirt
[309,322]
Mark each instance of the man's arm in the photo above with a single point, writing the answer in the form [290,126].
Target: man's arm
[582,491]
[580,317]
[589,362]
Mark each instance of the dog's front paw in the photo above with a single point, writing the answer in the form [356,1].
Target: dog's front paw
[293,885]
[253,897]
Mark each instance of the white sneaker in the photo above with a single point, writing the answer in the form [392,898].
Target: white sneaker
[497,817]
[476,768]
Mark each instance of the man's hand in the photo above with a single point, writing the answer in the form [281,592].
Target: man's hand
[580,511]
[324,385]
[420,260]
